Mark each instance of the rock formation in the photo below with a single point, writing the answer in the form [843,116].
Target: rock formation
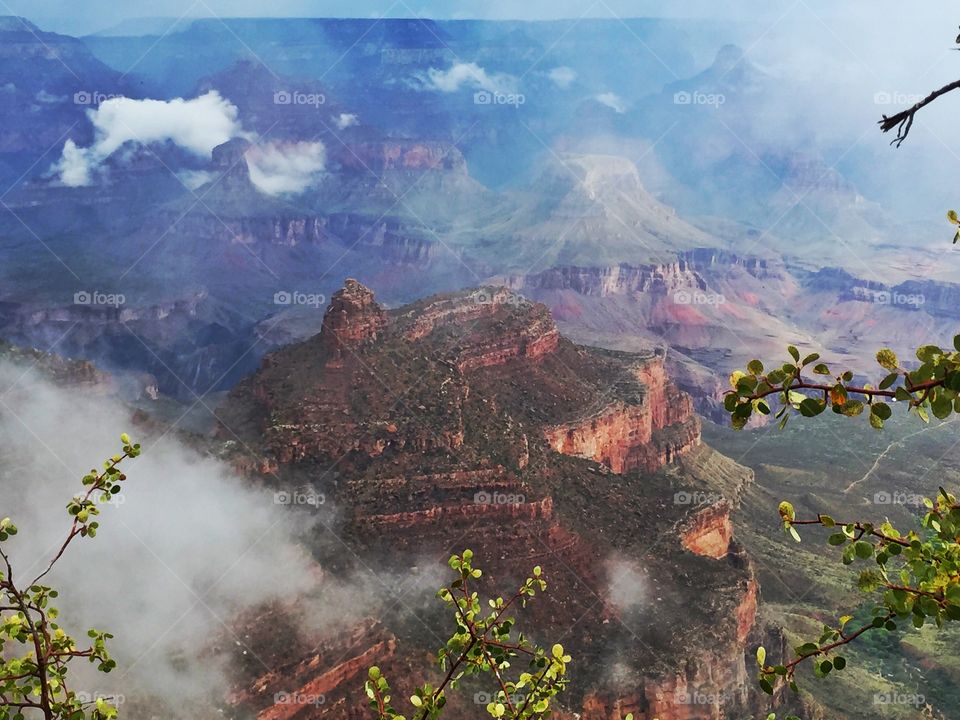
[468,420]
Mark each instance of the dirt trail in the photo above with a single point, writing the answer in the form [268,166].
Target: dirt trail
[891,446]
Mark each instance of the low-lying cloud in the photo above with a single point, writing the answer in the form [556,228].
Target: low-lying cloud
[345,120]
[470,75]
[183,549]
[562,76]
[612,101]
[286,168]
[197,125]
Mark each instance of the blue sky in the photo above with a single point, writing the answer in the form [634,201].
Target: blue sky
[86,16]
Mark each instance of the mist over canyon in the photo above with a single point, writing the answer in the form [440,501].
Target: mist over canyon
[370,291]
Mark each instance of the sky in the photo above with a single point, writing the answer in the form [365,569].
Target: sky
[80,17]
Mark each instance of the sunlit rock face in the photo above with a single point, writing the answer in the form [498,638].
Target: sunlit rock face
[470,416]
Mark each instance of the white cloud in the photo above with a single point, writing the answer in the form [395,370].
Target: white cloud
[50,99]
[184,535]
[472,76]
[197,125]
[74,165]
[613,101]
[288,168]
[562,76]
[346,120]
[194,179]
[186,549]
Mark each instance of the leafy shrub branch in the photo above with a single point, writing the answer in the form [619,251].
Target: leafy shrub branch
[35,651]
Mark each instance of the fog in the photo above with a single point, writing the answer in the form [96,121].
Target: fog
[184,548]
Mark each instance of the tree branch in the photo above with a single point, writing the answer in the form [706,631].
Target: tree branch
[903,121]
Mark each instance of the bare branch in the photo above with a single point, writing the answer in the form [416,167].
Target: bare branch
[903,121]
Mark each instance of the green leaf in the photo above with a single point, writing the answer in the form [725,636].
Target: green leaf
[889,380]
[952,380]
[887,359]
[755,367]
[811,407]
[812,357]
[852,408]
[952,217]
[761,656]
[941,406]
[794,353]
[928,353]
[837,539]
[821,369]
[881,410]
[786,511]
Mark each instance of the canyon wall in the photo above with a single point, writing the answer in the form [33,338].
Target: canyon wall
[466,420]
[625,437]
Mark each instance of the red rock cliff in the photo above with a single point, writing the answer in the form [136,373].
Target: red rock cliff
[353,318]
[643,436]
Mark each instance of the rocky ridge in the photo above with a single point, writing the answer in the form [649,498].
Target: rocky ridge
[467,419]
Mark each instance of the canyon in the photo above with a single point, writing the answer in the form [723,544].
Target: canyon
[468,419]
